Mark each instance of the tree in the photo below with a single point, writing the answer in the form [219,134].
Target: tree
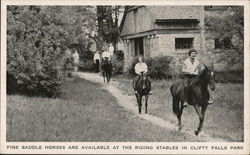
[107,18]
[228,27]
[37,37]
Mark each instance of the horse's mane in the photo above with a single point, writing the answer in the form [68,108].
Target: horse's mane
[199,78]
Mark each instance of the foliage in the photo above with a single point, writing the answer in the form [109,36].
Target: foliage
[107,17]
[37,37]
[119,55]
[158,67]
[235,76]
[87,65]
[228,26]
[118,62]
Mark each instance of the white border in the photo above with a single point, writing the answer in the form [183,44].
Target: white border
[245,144]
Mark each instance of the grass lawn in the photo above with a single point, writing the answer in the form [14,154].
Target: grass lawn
[224,119]
[84,113]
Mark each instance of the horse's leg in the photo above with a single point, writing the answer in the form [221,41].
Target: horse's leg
[179,116]
[199,112]
[146,104]
[109,77]
[177,111]
[203,111]
[139,98]
[103,74]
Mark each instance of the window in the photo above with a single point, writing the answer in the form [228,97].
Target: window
[183,43]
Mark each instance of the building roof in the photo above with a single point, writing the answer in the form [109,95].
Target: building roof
[167,13]
[170,12]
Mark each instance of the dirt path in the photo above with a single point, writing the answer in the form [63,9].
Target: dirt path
[129,103]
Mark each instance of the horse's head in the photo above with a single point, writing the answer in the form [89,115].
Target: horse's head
[207,75]
[142,82]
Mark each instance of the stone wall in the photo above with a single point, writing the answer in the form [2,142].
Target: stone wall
[161,45]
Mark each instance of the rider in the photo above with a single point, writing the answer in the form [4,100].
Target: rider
[191,68]
[139,68]
[75,57]
[97,61]
[106,55]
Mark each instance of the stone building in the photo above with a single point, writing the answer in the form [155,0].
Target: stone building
[152,31]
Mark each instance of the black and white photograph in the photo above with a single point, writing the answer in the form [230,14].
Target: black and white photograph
[167,78]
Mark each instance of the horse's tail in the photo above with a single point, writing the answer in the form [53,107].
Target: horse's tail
[176,105]
[175,101]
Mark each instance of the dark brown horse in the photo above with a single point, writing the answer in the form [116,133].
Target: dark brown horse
[197,95]
[106,70]
[143,86]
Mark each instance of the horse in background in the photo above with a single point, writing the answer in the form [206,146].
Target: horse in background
[143,88]
[196,95]
[106,70]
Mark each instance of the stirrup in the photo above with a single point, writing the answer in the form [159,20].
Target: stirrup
[210,102]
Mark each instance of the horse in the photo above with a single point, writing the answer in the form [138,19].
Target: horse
[143,88]
[197,95]
[106,70]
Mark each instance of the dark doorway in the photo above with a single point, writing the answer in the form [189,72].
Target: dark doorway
[139,47]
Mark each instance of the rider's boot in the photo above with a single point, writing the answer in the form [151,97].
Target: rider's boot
[210,101]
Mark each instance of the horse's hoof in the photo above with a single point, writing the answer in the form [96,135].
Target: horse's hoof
[180,127]
[196,132]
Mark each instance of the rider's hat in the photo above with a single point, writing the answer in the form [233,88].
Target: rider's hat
[191,51]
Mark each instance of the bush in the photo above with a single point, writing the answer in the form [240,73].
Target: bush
[35,57]
[87,65]
[118,62]
[159,67]
[35,74]
[234,76]
[118,67]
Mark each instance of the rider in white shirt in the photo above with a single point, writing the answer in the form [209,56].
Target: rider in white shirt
[106,55]
[191,68]
[75,57]
[140,67]
[97,60]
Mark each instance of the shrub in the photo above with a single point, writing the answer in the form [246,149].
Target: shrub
[118,62]
[87,65]
[118,67]
[35,57]
[35,74]
[235,76]
[159,67]
[131,70]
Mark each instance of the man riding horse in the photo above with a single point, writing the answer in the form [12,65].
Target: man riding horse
[142,84]
[193,89]
[190,69]
[141,68]
[106,65]
[106,56]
